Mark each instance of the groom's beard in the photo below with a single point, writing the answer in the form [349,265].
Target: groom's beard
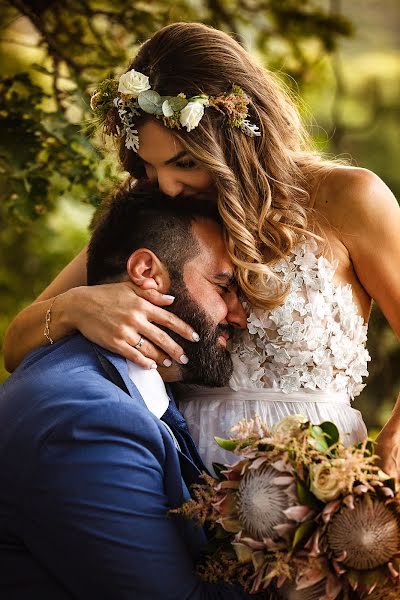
[210,363]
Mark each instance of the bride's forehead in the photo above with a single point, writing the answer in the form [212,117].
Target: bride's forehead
[157,143]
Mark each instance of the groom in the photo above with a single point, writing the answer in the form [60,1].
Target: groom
[93,452]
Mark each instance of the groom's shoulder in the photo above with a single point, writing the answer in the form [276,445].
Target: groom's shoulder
[64,386]
[61,374]
[57,364]
[70,352]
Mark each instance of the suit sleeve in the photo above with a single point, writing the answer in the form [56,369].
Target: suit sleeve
[96,511]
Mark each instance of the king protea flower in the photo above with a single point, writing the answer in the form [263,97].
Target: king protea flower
[304,517]
[362,537]
[260,501]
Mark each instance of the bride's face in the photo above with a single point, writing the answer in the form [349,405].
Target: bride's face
[168,164]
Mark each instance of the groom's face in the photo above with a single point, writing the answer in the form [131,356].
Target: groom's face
[206,298]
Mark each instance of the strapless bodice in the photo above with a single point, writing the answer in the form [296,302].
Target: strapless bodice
[315,340]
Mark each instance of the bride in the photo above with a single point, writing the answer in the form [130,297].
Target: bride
[302,232]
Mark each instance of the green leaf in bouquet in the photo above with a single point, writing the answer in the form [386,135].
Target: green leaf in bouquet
[372,578]
[151,102]
[331,432]
[303,533]
[258,559]
[391,484]
[352,577]
[244,554]
[212,545]
[318,440]
[218,470]
[229,445]
[370,448]
[222,534]
[306,496]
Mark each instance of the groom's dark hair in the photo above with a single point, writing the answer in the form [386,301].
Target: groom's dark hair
[144,217]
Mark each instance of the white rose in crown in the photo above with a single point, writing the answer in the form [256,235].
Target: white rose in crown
[132,83]
[191,115]
[289,426]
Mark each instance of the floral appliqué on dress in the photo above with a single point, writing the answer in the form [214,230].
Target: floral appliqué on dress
[315,340]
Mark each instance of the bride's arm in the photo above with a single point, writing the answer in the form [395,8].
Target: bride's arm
[369,221]
[26,331]
[114,316]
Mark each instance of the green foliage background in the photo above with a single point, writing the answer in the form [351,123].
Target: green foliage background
[341,56]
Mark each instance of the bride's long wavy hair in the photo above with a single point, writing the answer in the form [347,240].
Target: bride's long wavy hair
[265,183]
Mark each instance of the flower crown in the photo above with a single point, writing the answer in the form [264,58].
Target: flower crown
[132,93]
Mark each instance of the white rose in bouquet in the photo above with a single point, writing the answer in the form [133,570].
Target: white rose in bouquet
[327,480]
[289,426]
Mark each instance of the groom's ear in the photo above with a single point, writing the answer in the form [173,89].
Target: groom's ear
[147,272]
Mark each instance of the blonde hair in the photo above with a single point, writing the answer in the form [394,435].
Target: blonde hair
[264,183]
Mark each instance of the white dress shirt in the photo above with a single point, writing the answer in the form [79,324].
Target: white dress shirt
[151,387]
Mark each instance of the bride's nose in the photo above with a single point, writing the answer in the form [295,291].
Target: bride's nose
[169,185]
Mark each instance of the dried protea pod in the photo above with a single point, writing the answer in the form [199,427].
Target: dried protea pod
[365,537]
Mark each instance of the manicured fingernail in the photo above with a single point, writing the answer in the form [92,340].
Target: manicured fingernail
[184,359]
[167,362]
[195,337]
[168,297]
[153,366]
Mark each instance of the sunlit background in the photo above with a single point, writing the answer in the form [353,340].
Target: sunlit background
[341,57]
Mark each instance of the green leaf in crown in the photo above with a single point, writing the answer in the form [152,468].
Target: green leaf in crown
[150,102]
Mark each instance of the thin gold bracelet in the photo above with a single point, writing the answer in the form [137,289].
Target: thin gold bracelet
[46,332]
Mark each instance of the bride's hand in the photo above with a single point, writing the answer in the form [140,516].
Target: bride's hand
[116,316]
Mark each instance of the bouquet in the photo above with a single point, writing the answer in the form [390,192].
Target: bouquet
[299,515]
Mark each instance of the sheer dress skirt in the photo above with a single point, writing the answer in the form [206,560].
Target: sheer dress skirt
[212,412]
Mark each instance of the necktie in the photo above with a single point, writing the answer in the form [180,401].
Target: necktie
[191,464]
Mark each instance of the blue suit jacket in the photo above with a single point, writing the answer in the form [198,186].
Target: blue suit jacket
[87,476]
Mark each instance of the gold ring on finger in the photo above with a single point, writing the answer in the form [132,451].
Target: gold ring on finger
[139,344]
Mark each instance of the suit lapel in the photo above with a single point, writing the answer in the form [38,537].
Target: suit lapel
[116,370]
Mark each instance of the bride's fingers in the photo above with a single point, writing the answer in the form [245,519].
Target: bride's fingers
[135,356]
[153,353]
[162,340]
[161,316]
[154,296]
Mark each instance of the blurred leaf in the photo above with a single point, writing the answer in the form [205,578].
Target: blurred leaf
[331,432]
[305,496]
[303,533]
[229,445]
[218,469]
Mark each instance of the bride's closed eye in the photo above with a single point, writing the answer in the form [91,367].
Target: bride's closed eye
[186,164]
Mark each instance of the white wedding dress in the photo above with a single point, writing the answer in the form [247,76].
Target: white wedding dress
[306,357]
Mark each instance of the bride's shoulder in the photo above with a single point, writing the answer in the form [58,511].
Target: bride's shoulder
[349,197]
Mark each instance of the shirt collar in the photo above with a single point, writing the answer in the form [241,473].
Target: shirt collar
[151,387]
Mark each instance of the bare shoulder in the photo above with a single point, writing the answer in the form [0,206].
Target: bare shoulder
[350,198]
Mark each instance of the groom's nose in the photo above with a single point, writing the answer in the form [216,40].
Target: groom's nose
[236,315]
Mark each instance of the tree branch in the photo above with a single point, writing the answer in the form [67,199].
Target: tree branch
[52,45]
